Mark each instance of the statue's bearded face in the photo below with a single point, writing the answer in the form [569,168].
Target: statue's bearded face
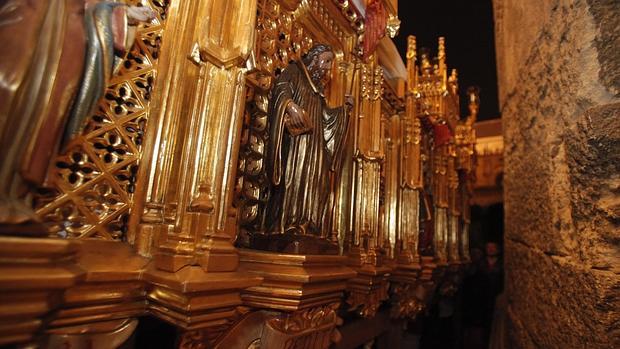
[320,68]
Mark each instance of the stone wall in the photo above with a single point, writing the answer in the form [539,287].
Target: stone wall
[559,77]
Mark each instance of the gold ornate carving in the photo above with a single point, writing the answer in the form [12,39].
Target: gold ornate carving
[193,339]
[367,293]
[350,12]
[411,168]
[198,128]
[313,328]
[389,232]
[433,100]
[313,318]
[454,211]
[405,302]
[393,25]
[94,180]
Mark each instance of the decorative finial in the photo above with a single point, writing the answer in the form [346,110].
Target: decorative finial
[441,50]
[425,61]
[204,202]
[453,81]
[392,26]
[441,58]
[473,95]
[411,48]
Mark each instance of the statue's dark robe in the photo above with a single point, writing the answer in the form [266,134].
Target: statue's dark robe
[300,167]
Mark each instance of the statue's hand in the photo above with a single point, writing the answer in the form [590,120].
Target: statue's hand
[138,14]
[297,121]
[348,102]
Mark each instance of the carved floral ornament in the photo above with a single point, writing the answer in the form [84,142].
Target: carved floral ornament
[312,328]
[313,318]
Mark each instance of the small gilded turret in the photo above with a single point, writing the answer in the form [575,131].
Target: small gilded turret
[473,96]
[412,69]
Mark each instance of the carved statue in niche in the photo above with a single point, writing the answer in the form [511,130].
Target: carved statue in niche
[303,154]
[52,75]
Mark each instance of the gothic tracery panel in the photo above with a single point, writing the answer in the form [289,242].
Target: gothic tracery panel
[93,181]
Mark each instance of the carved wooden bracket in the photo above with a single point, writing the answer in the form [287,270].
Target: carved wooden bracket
[368,290]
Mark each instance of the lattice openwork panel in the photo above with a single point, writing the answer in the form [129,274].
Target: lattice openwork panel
[94,180]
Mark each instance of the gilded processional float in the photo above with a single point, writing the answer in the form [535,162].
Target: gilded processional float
[251,172]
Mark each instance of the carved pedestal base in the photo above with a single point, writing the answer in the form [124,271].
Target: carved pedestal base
[407,290]
[107,284]
[192,299]
[111,288]
[311,328]
[306,290]
[368,290]
[430,270]
[431,276]
[406,273]
[451,279]
[294,282]
[294,244]
[33,275]
[99,335]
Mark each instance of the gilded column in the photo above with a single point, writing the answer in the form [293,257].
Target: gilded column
[408,279]
[465,140]
[412,179]
[369,153]
[440,156]
[187,178]
[370,288]
[390,213]
[454,210]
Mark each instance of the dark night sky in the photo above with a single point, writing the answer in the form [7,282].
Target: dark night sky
[470,43]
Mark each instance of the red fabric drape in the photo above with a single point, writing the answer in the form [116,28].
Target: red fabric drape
[442,134]
[376,21]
